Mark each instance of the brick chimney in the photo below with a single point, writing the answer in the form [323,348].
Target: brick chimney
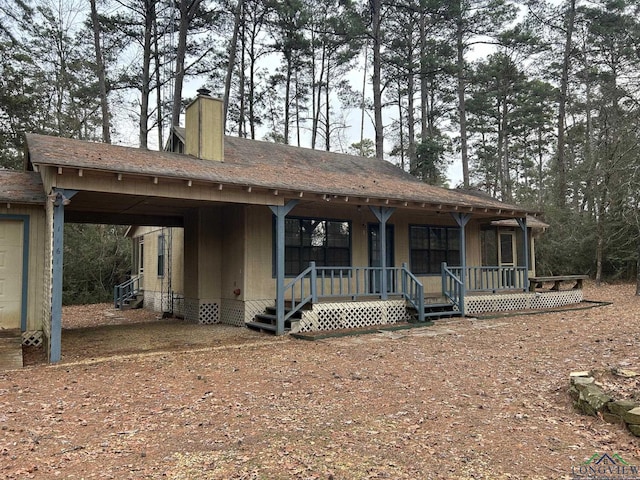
[204,134]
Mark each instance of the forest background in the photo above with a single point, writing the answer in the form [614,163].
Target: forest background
[535,102]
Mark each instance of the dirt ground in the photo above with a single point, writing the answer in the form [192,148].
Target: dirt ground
[144,398]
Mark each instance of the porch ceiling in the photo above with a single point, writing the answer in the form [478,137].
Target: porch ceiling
[119,209]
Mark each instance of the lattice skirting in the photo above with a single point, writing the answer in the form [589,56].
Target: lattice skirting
[333,316]
[521,301]
[33,339]
[237,312]
[191,310]
[209,313]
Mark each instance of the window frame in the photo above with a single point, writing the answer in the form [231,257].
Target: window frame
[161,256]
[301,247]
[450,230]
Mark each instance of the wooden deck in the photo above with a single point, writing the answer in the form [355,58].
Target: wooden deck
[10,350]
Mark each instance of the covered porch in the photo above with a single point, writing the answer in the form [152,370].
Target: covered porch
[463,289]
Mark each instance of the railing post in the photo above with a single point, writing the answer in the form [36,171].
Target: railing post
[443,270]
[404,278]
[314,280]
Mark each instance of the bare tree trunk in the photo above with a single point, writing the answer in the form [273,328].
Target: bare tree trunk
[364,90]
[561,190]
[327,110]
[149,14]
[232,58]
[462,106]
[287,102]
[158,80]
[100,71]
[376,6]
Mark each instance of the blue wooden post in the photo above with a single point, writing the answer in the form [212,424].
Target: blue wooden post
[280,211]
[60,198]
[383,214]
[462,219]
[314,282]
[525,236]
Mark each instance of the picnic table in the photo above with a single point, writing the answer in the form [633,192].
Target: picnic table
[557,280]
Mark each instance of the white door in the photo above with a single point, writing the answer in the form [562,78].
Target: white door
[10,273]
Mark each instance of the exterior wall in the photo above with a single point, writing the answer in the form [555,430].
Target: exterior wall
[233,281]
[223,265]
[162,293]
[36,261]
[203,265]
[259,244]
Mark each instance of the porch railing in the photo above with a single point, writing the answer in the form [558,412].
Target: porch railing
[126,290]
[493,279]
[452,286]
[413,291]
[352,282]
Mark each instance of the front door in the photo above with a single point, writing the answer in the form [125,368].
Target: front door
[374,257]
[507,259]
[11,260]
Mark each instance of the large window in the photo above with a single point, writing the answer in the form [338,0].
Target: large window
[430,246]
[326,242]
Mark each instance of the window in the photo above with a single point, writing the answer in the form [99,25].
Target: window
[430,246]
[489,247]
[161,255]
[326,242]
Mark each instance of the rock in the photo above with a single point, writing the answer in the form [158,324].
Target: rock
[578,384]
[632,417]
[582,380]
[592,400]
[635,429]
[584,373]
[622,372]
[612,417]
[620,407]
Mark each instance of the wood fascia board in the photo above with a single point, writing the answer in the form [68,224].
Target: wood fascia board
[179,189]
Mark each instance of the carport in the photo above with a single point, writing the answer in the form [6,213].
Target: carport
[106,184]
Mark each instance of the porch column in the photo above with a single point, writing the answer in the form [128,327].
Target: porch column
[280,211]
[462,219]
[525,236]
[60,199]
[383,214]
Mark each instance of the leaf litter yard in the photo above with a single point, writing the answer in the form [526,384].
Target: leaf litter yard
[142,398]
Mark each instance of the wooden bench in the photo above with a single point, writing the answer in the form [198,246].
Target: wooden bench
[537,282]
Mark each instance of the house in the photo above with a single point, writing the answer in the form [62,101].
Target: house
[232,228]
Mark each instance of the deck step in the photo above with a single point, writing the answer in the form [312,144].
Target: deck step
[262,327]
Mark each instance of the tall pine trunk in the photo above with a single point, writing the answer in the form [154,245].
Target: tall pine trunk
[233,46]
[100,72]
[561,167]
[377,87]
[462,106]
